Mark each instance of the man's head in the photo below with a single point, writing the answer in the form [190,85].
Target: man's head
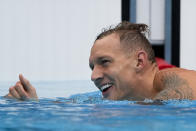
[118,59]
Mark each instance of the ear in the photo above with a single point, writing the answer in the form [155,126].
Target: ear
[141,60]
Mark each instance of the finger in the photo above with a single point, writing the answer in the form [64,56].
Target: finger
[8,96]
[26,84]
[17,82]
[20,90]
[14,93]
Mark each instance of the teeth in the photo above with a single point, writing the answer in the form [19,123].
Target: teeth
[105,87]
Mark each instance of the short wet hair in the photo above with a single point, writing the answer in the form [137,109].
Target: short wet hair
[132,37]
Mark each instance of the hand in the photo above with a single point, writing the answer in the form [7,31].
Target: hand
[22,90]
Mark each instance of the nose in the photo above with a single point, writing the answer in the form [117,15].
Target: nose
[96,74]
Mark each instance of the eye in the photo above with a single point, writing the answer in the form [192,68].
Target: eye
[104,61]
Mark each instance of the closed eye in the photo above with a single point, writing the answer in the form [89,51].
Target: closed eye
[104,62]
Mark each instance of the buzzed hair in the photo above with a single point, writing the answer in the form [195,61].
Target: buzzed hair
[132,37]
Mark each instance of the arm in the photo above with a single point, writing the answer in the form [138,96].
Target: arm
[173,87]
[22,90]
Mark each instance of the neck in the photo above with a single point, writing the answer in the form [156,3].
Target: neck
[146,81]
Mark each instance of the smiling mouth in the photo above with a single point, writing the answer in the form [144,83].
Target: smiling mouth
[105,87]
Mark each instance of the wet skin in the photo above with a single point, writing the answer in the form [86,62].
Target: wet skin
[113,67]
[132,77]
[22,90]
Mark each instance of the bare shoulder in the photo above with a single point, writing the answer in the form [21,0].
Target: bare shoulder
[171,84]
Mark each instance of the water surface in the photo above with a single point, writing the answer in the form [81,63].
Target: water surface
[88,111]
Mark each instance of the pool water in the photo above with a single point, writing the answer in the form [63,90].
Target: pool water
[88,111]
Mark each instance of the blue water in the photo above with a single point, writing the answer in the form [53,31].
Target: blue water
[88,111]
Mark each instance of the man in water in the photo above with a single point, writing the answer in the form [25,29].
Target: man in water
[124,68]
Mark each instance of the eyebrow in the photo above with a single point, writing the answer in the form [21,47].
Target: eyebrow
[103,57]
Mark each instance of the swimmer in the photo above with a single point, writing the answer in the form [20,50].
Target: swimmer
[124,68]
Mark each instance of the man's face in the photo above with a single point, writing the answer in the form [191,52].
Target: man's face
[113,71]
